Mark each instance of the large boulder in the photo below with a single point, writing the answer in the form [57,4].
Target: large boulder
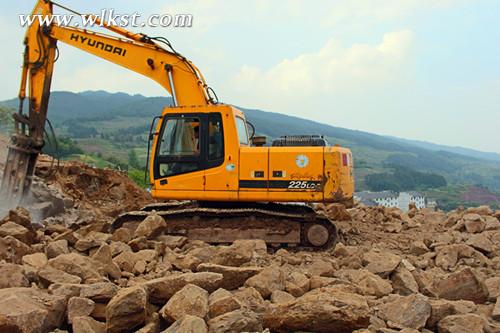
[152,226]
[13,250]
[236,321]
[78,307]
[367,282]
[127,310]
[441,308]
[12,275]
[448,256]
[100,291]
[462,285]
[233,277]
[75,264]
[320,310]
[162,289]
[49,275]
[56,248]
[91,240]
[220,302]
[31,310]
[190,300]
[86,324]
[188,324]
[269,279]
[381,262]
[406,311]
[470,323]
[17,231]
[240,252]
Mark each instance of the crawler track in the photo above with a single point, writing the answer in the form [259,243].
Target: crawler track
[279,225]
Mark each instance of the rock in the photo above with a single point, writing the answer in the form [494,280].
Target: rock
[474,223]
[448,256]
[12,275]
[481,242]
[173,242]
[297,284]
[127,261]
[190,300]
[442,308]
[233,277]
[492,223]
[20,216]
[56,248]
[152,326]
[17,231]
[31,310]
[379,262]
[162,289]
[66,289]
[88,325]
[279,296]
[403,282]
[220,302]
[367,282]
[126,310]
[49,275]
[493,286]
[481,210]
[251,299]
[103,255]
[12,250]
[240,252]
[99,292]
[123,235]
[406,311]
[319,268]
[418,248]
[91,240]
[188,324]
[152,226]
[75,264]
[78,307]
[496,310]
[118,248]
[320,310]
[68,236]
[464,284]
[236,321]
[269,279]
[36,260]
[470,323]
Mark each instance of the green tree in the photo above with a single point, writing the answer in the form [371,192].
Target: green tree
[133,160]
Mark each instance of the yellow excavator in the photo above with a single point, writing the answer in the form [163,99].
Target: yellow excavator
[214,179]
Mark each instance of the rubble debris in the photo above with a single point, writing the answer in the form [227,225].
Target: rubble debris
[421,271]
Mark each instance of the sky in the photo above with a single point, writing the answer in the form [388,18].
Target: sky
[417,69]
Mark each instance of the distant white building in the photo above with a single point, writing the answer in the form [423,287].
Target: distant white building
[400,200]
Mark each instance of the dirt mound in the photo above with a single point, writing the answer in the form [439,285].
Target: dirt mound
[103,191]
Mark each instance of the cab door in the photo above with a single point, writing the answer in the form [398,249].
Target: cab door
[181,152]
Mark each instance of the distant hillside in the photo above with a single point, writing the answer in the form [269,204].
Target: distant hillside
[112,124]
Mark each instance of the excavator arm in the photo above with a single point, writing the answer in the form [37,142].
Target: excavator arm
[136,52]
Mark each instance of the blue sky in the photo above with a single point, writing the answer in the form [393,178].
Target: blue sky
[417,69]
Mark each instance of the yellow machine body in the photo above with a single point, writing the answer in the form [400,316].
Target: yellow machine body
[244,172]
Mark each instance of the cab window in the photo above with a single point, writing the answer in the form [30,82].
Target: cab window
[181,137]
[215,137]
[241,127]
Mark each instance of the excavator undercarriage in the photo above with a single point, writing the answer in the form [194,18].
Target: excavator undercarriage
[279,225]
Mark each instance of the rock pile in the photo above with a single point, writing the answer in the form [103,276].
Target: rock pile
[421,271]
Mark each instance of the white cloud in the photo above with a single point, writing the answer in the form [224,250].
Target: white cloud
[323,75]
